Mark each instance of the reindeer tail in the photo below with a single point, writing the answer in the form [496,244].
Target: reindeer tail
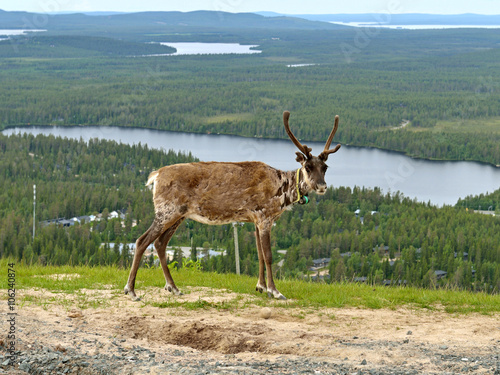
[152,180]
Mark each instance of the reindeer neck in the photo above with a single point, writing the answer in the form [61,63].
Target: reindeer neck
[288,189]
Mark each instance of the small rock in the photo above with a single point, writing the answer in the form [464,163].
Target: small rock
[409,333]
[24,367]
[364,362]
[465,359]
[60,348]
[265,313]
[75,314]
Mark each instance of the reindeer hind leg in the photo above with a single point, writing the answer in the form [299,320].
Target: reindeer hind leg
[166,216]
[141,245]
[160,246]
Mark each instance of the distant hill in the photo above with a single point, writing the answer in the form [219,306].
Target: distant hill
[155,20]
[399,19]
[90,13]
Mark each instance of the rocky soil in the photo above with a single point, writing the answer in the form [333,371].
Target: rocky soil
[104,332]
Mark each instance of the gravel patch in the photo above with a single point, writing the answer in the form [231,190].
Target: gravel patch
[124,337]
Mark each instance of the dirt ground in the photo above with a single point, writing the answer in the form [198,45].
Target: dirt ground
[93,321]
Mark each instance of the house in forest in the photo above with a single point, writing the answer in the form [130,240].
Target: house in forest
[82,219]
[360,279]
[60,221]
[385,249]
[440,274]
[320,263]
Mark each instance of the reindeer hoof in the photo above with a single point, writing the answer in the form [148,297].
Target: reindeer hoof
[173,290]
[275,294]
[259,288]
[131,293]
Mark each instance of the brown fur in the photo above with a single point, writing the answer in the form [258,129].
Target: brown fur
[221,193]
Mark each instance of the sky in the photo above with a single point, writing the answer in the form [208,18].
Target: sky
[279,6]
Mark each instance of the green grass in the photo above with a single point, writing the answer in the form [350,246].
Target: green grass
[300,294]
[474,126]
[231,117]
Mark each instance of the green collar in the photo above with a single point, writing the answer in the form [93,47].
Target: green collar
[300,199]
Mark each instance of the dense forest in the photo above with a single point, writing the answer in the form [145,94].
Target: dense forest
[428,93]
[73,178]
[442,83]
[81,46]
[390,239]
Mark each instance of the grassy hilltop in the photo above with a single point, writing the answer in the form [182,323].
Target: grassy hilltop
[300,293]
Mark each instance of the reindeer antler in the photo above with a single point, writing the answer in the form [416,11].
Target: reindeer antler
[303,148]
[324,155]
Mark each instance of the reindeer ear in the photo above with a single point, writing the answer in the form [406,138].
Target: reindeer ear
[300,157]
[323,156]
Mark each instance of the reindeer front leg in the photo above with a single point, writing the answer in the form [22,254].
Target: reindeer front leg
[261,284]
[264,233]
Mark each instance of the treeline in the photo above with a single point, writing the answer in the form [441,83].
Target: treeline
[65,46]
[485,202]
[391,238]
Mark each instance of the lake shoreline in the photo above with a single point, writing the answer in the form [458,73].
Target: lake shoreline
[403,153]
[437,182]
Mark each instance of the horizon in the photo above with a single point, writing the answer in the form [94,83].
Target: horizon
[293,7]
[62,12]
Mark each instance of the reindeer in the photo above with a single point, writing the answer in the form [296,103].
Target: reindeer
[222,192]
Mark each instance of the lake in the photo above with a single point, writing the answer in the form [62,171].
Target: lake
[13,32]
[440,182]
[192,48]
[414,27]
[10,32]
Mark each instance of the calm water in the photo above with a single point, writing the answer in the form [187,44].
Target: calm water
[10,32]
[192,48]
[415,27]
[437,182]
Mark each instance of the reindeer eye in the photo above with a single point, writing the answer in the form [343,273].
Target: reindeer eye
[308,169]
[325,168]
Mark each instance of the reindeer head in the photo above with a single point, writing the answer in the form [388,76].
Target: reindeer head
[313,167]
